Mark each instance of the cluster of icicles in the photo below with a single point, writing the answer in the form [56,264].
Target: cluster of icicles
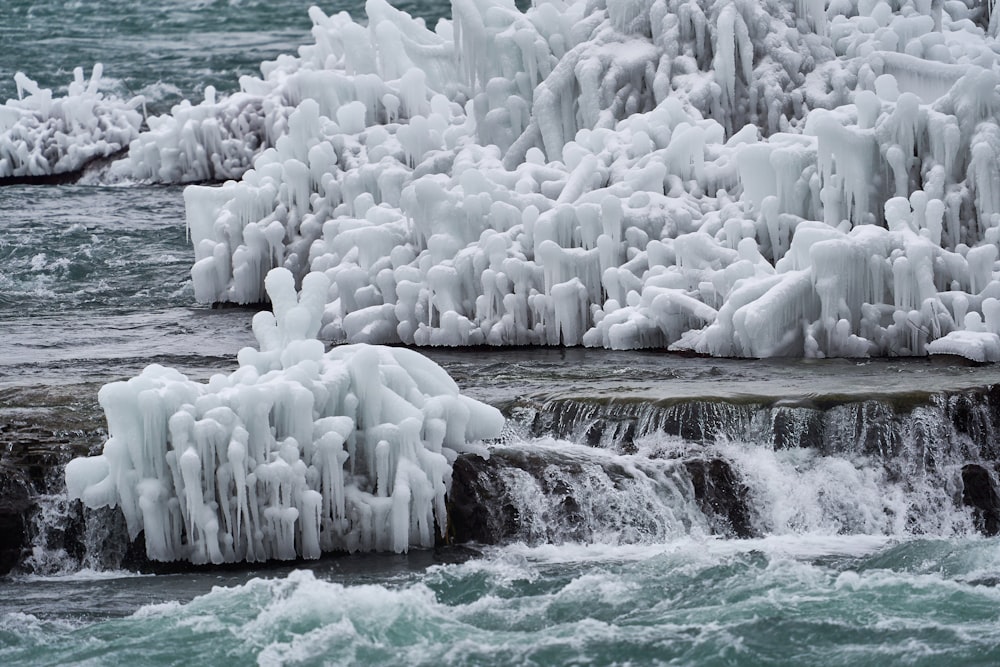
[733,177]
[43,135]
[296,453]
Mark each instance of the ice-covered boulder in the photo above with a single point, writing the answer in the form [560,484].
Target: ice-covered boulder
[297,452]
[981,346]
[353,81]
[46,135]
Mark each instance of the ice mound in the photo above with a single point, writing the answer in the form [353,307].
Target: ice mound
[296,453]
[981,346]
[43,135]
[220,138]
[727,176]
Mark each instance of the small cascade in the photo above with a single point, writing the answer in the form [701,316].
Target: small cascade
[55,541]
[617,424]
[62,536]
[641,471]
[551,491]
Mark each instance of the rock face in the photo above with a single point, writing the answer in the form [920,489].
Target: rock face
[15,504]
[477,511]
[545,495]
[721,495]
[980,494]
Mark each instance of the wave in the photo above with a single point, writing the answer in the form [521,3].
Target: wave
[773,601]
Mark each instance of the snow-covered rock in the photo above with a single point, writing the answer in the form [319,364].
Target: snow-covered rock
[298,452]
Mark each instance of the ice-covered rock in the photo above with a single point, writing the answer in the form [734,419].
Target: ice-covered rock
[353,81]
[981,346]
[298,452]
[45,135]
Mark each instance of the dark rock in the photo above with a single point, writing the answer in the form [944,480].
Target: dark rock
[976,413]
[796,426]
[721,495]
[478,510]
[574,498]
[15,504]
[980,494]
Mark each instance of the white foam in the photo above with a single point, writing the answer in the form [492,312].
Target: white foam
[81,575]
[801,547]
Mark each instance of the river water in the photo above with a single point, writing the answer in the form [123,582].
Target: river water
[853,546]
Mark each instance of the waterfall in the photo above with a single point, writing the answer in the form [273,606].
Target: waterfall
[598,470]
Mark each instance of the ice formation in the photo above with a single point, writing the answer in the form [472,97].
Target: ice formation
[211,141]
[44,135]
[297,452]
[733,177]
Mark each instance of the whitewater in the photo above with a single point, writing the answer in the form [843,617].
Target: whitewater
[494,333]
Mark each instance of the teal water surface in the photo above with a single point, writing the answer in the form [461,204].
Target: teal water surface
[775,601]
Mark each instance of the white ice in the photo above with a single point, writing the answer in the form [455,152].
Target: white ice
[44,135]
[296,453]
[733,177]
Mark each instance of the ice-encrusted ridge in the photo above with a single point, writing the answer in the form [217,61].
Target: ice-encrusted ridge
[731,177]
[736,178]
[46,135]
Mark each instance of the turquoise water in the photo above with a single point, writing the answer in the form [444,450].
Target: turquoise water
[79,248]
[94,285]
[775,601]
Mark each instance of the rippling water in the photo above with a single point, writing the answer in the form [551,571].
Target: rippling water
[776,601]
[89,275]
[92,249]
[94,285]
